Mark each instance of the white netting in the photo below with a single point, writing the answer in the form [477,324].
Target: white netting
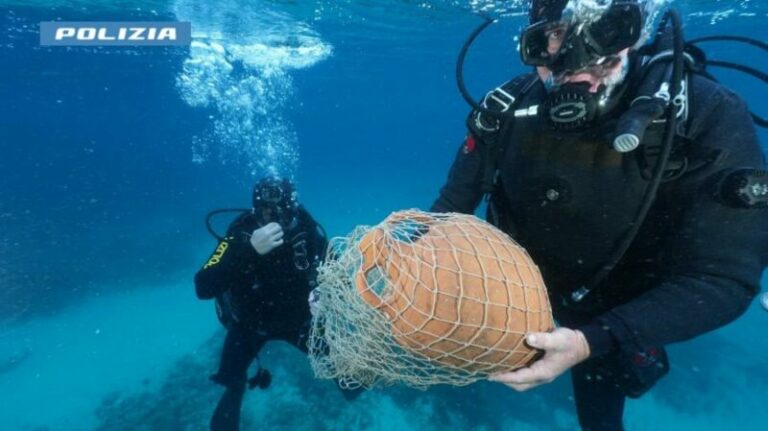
[423,299]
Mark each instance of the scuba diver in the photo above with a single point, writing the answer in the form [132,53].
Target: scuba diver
[635,182]
[260,276]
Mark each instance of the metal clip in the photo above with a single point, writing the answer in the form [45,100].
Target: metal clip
[500,96]
[663,92]
[579,294]
[681,100]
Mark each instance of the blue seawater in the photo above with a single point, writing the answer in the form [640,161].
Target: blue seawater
[111,157]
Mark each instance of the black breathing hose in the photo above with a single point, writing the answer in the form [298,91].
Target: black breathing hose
[760,121]
[487,21]
[221,211]
[678,64]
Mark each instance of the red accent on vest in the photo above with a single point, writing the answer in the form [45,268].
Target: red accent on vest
[469,144]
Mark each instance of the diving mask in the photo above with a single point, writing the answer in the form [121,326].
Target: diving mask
[572,44]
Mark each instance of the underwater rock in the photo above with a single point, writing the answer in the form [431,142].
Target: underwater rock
[185,399]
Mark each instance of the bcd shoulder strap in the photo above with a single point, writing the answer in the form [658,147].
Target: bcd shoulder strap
[491,129]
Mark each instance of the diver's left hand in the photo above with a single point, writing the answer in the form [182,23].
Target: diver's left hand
[563,348]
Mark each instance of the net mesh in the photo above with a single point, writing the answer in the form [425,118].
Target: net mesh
[425,299]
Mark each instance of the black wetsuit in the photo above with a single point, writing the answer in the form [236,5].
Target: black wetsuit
[569,199]
[259,298]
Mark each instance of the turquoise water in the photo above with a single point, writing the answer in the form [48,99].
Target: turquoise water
[110,159]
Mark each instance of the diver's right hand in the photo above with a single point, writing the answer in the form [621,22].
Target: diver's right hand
[267,238]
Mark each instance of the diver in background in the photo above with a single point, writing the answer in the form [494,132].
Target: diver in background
[647,218]
[260,275]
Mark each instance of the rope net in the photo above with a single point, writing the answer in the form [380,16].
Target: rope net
[425,299]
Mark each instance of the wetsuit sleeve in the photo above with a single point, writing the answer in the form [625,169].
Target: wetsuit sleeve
[714,257]
[231,264]
[462,191]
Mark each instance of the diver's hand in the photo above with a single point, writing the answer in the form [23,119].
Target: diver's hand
[563,348]
[267,238]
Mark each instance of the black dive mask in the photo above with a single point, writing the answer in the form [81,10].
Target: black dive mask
[272,192]
[280,198]
[568,45]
